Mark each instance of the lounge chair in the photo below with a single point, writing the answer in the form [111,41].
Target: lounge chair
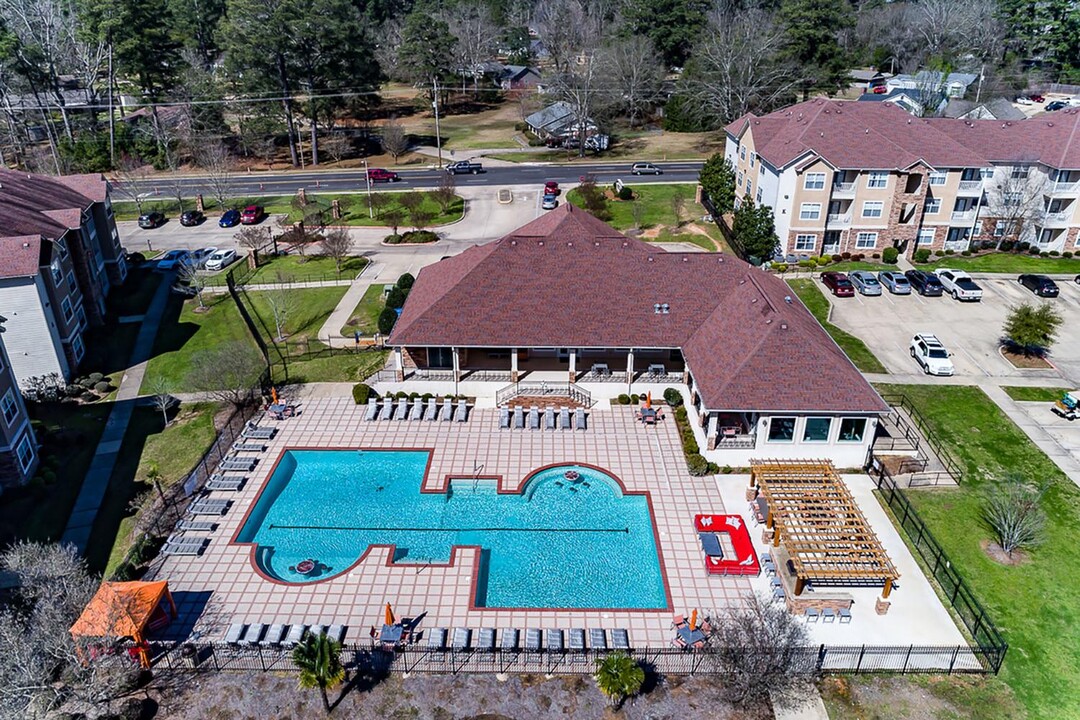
[462,638]
[620,639]
[510,639]
[402,409]
[238,464]
[564,419]
[533,640]
[534,418]
[387,408]
[295,635]
[372,409]
[811,615]
[447,409]
[186,548]
[417,409]
[235,632]
[432,409]
[254,432]
[437,639]
[336,633]
[519,418]
[598,639]
[711,545]
[462,411]
[579,419]
[485,639]
[240,446]
[828,615]
[196,526]
[845,615]
[274,635]
[504,418]
[555,641]
[318,629]
[549,418]
[217,482]
[577,639]
[208,506]
[253,634]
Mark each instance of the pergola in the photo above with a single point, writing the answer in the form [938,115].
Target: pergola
[812,514]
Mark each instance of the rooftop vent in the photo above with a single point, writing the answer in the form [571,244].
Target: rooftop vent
[787,299]
[513,242]
[597,244]
[569,244]
[626,244]
[720,259]
[753,300]
[685,259]
[665,309]
[656,308]
[540,243]
[650,258]
[769,321]
[783,326]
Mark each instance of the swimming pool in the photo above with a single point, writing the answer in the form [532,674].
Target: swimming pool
[561,543]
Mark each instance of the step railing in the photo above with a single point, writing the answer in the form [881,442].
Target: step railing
[544,389]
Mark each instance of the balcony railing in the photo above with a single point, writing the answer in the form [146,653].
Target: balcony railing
[737,441]
[843,187]
[838,219]
[969,185]
[1064,187]
[1056,218]
[965,215]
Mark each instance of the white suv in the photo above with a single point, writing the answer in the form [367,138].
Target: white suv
[959,284]
[931,354]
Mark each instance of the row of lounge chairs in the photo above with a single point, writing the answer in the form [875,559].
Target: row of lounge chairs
[184,545]
[419,410]
[511,640]
[279,635]
[252,431]
[566,419]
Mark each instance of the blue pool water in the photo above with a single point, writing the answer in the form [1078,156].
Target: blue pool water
[558,544]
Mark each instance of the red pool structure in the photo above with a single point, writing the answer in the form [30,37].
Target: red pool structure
[745,560]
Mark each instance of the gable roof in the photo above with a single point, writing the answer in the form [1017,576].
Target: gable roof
[21,256]
[570,280]
[44,206]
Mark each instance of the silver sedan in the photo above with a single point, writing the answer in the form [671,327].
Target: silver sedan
[865,282]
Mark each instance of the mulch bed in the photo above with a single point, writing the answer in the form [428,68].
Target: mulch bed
[1026,362]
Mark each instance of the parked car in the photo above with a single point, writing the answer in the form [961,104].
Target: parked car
[151,220]
[220,259]
[1037,97]
[199,257]
[462,167]
[931,355]
[379,175]
[191,218]
[551,188]
[1024,101]
[1077,279]
[252,215]
[645,169]
[865,282]
[231,218]
[1039,284]
[959,284]
[895,281]
[924,283]
[1056,105]
[549,202]
[839,284]
[171,259]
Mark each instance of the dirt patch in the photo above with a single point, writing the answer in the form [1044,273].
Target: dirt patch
[998,555]
[1025,362]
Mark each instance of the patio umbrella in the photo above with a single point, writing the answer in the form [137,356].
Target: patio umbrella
[273,394]
[693,619]
[389,615]
[648,399]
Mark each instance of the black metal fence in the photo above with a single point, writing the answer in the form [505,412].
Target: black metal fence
[899,400]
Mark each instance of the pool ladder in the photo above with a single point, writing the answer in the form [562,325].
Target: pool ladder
[477,469]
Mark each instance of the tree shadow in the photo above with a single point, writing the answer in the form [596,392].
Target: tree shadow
[369,668]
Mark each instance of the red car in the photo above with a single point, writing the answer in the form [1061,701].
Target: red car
[551,188]
[379,175]
[251,215]
[839,284]
[1037,98]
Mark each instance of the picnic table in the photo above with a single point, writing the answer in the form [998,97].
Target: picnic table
[691,637]
[391,634]
[280,411]
[657,369]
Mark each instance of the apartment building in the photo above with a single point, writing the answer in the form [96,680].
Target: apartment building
[844,176]
[18,446]
[60,255]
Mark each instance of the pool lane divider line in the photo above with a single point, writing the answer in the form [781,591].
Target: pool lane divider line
[625,530]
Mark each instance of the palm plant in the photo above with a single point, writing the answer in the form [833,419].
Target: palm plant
[319,659]
[619,676]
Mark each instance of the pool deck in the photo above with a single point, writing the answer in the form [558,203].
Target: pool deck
[222,586]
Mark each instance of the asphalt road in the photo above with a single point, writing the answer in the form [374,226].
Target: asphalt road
[287,183]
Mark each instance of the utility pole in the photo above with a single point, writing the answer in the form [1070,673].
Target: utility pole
[112,120]
[978,90]
[438,136]
[367,179]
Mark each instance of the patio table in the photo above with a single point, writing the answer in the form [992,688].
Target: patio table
[657,369]
[391,634]
[601,369]
[690,637]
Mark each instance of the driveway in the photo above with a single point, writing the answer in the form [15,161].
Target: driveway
[969,330]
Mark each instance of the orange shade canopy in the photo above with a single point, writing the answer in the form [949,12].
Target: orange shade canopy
[122,609]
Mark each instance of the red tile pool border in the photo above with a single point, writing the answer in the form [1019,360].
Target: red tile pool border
[501,489]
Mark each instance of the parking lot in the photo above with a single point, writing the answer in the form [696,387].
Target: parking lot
[969,330]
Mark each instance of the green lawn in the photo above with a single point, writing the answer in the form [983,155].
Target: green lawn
[849,266]
[892,697]
[69,435]
[135,295]
[856,349]
[295,268]
[1007,263]
[1033,602]
[687,237]
[365,317]
[354,208]
[343,366]
[1034,394]
[657,202]
[173,450]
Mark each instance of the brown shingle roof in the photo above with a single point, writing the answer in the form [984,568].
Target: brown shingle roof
[42,206]
[20,256]
[569,280]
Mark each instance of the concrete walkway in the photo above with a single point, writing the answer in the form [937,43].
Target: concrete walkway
[96,482]
[812,709]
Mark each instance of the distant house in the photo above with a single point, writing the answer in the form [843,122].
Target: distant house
[557,120]
[911,101]
[996,109]
[519,77]
[953,85]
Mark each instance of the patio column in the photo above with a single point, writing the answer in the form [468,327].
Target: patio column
[457,363]
[711,430]
[573,365]
[399,365]
[629,369]
[513,365]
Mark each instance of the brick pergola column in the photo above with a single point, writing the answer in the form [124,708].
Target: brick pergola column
[513,365]
[629,369]
[573,364]
[457,364]
[399,365]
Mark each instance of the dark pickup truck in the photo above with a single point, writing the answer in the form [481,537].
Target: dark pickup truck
[464,166]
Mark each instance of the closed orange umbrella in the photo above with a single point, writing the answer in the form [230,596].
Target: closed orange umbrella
[693,619]
[648,399]
[273,394]
[389,615]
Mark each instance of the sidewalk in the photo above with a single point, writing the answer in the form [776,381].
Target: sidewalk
[96,482]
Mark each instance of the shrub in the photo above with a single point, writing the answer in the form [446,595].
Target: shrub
[837,258]
[1066,254]
[939,253]
[1022,246]
[727,469]
[890,255]
[401,395]
[392,239]
[362,392]
[419,237]
[387,318]
[673,397]
[713,469]
[965,253]
[949,251]
[624,399]
[697,465]
[1054,253]
[414,395]
[922,255]
[807,263]
[102,388]
[876,256]
[858,257]
[626,193]
[1036,251]
[405,282]
[845,255]
[395,298]
[96,377]
[1007,246]
[427,396]
[635,399]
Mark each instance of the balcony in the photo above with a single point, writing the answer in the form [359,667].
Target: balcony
[963,215]
[968,187]
[843,188]
[1057,219]
[838,220]
[1064,188]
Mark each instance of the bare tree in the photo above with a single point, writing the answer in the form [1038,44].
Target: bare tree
[394,139]
[446,193]
[227,372]
[216,162]
[337,244]
[476,32]
[761,653]
[379,201]
[1014,512]
[393,219]
[637,211]
[959,29]
[1015,203]
[189,275]
[678,203]
[134,181]
[252,239]
[586,88]
[411,200]
[420,217]
[283,303]
[567,29]
[162,399]
[335,144]
[635,73]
